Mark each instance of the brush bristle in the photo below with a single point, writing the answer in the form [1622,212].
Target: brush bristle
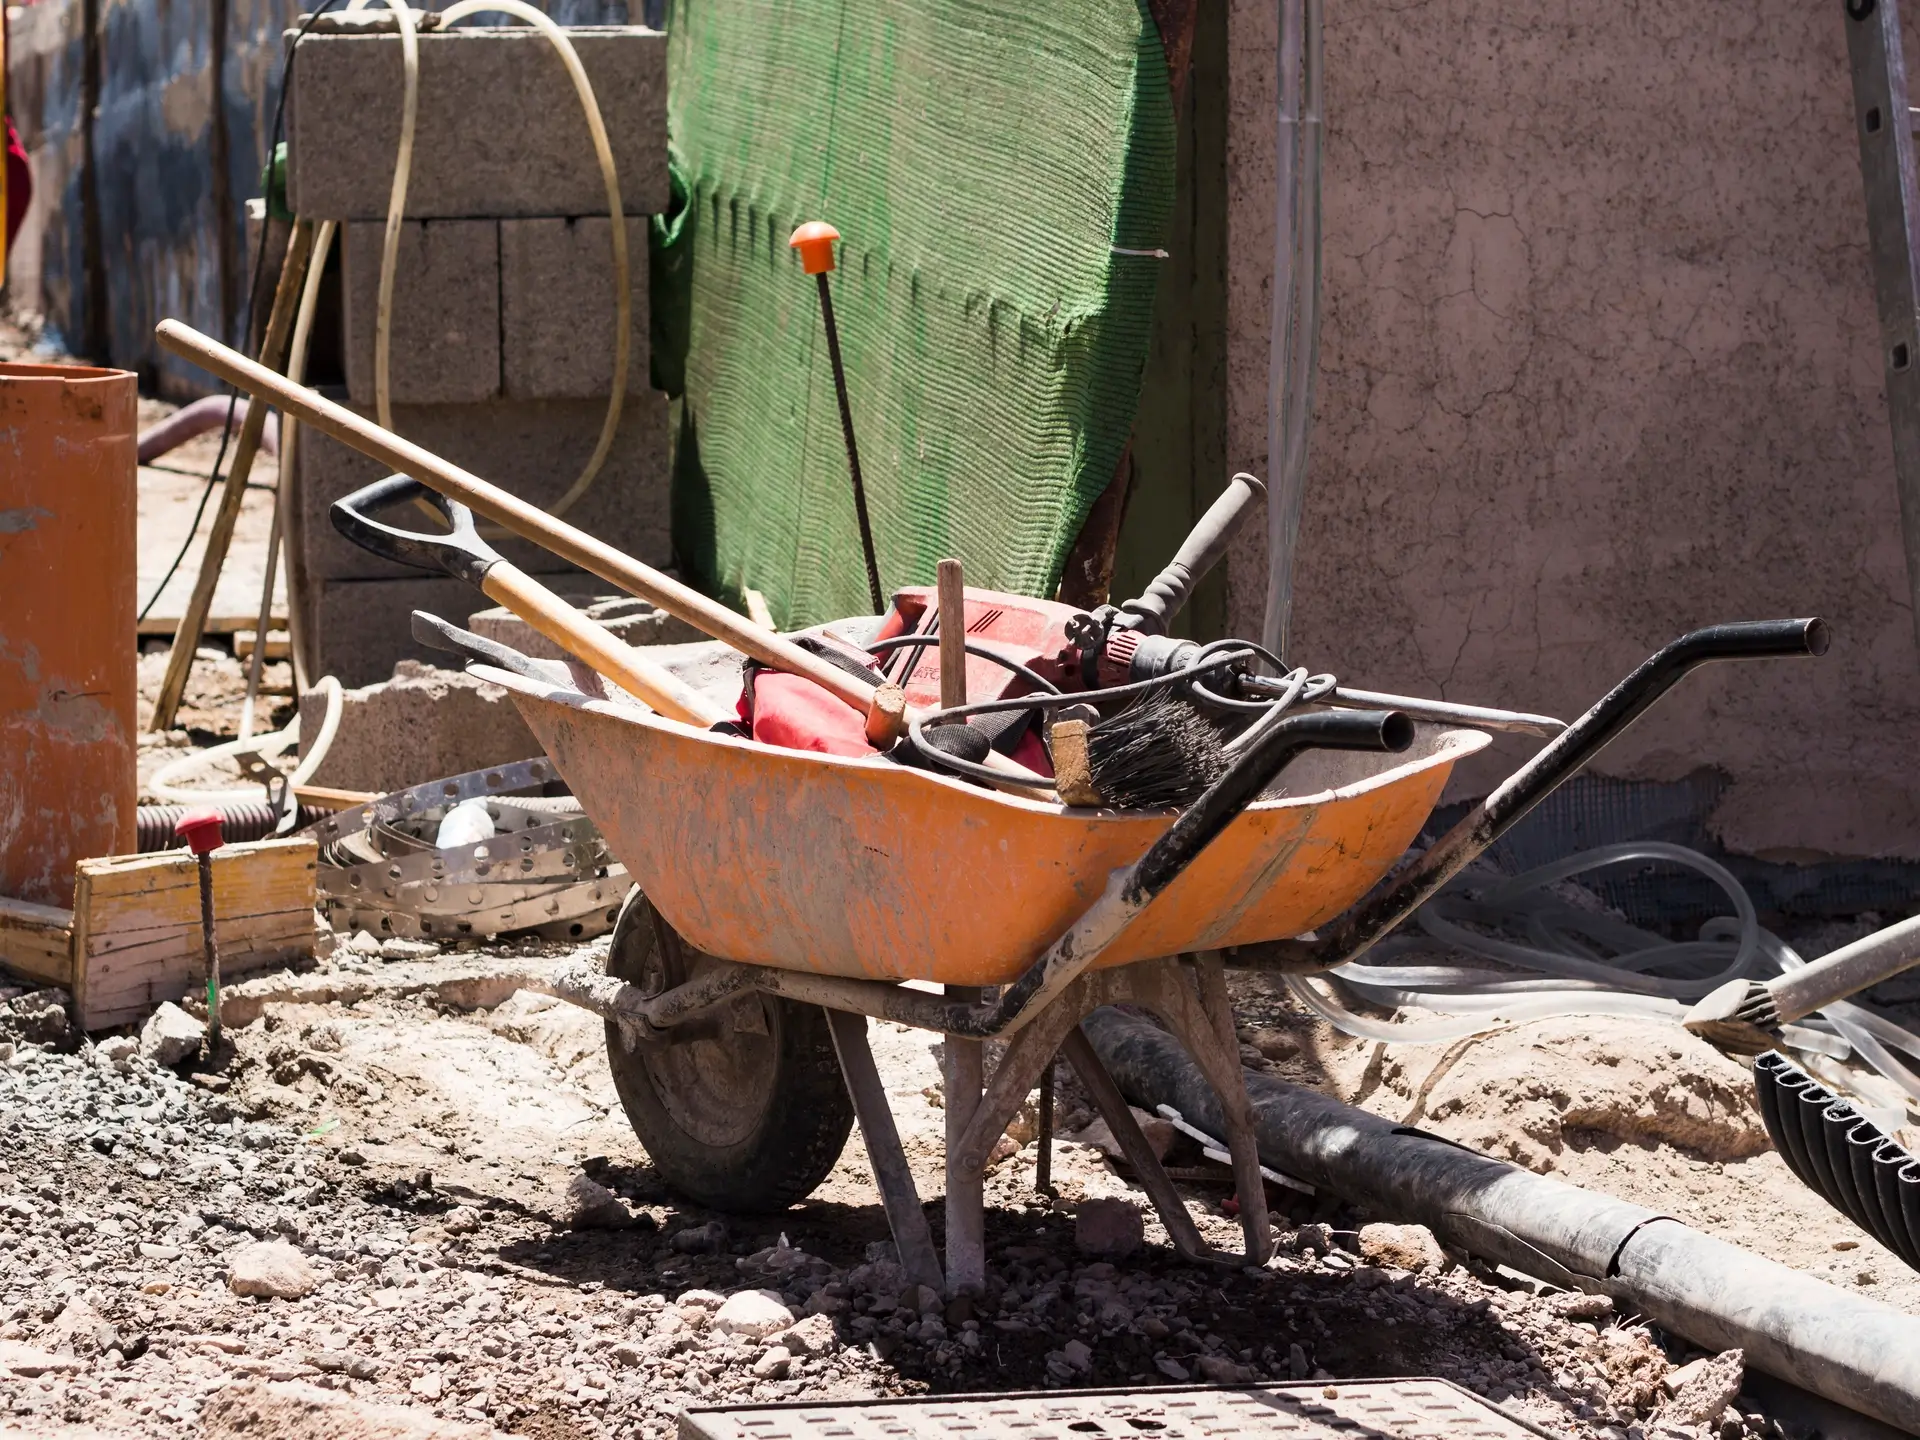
[1161,751]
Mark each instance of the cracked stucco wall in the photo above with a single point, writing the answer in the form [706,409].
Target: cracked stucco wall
[1599,363]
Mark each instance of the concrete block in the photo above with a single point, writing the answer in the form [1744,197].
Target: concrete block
[557,307]
[363,628]
[499,132]
[446,311]
[420,724]
[533,448]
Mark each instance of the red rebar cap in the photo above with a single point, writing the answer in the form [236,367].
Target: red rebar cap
[200,829]
[814,240]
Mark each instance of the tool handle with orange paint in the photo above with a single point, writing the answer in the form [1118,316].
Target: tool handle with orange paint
[814,240]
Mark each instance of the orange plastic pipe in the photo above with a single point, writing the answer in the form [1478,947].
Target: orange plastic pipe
[68,737]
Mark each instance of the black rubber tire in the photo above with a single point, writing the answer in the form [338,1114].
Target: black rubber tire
[735,1121]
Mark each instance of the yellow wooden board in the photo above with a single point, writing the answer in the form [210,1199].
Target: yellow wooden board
[136,939]
[36,942]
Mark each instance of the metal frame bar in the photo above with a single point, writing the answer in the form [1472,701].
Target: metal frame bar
[911,1236]
[1884,122]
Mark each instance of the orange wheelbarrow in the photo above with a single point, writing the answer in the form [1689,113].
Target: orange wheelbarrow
[783,896]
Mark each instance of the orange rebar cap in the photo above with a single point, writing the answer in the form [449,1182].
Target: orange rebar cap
[814,240]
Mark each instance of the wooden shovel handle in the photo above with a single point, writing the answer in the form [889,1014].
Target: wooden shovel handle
[885,721]
[573,632]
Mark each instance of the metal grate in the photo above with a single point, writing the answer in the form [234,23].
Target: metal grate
[1375,1409]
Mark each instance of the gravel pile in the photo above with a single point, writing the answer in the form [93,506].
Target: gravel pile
[156,1247]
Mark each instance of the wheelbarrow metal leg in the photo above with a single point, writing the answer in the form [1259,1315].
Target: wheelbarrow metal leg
[911,1236]
[965,1072]
[1190,994]
[1216,1049]
[1126,1130]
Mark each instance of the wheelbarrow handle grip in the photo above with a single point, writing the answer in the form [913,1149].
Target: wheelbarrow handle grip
[460,553]
[1633,696]
[1249,776]
[1557,762]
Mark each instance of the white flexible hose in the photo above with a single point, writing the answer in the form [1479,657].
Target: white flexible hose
[396,207]
[165,785]
[1562,974]
[396,204]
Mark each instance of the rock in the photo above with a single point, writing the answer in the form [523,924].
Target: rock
[29,1361]
[271,1268]
[700,1239]
[754,1314]
[1111,1228]
[79,1329]
[811,1336]
[922,1299]
[117,1051]
[365,942]
[589,1205]
[1402,1247]
[1172,1368]
[1159,1131]
[254,1410]
[1704,1389]
[1578,1305]
[461,1220]
[430,1386]
[394,948]
[37,1018]
[1275,1044]
[1078,1354]
[1297,1366]
[773,1363]
[171,1036]
[1219,1370]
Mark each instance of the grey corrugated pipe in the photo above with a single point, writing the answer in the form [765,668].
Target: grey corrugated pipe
[1852,1350]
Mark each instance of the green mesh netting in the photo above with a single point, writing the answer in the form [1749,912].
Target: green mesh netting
[986,164]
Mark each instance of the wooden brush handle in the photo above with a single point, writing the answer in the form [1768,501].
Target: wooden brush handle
[951,587]
[886,714]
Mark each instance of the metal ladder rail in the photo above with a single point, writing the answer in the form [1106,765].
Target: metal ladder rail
[1885,125]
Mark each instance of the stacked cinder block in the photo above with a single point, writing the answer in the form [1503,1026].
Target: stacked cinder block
[503,321]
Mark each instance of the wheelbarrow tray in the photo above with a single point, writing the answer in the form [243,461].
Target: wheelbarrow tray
[864,868]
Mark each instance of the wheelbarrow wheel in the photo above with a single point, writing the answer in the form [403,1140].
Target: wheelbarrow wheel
[742,1109]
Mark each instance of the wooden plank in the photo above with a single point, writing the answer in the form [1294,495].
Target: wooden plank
[137,923]
[36,942]
[164,622]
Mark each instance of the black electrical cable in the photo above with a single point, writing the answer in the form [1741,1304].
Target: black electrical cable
[940,759]
[1091,697]
[1314,688]
[902,642]
[246,328]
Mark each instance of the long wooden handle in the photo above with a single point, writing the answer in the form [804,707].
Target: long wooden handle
[886,721]
[592,642]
